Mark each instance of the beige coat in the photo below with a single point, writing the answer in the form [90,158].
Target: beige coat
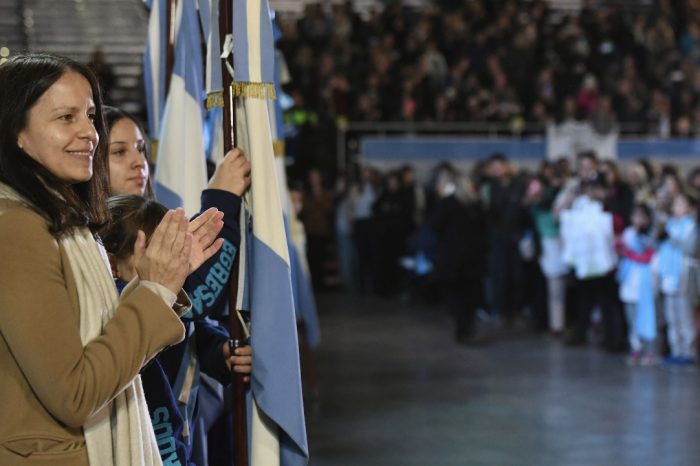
[49,383]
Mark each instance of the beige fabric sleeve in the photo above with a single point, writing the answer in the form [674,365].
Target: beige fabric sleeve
[40,325]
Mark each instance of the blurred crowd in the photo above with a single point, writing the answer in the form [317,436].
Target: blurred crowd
[505,61]
[593,251]
[583,250]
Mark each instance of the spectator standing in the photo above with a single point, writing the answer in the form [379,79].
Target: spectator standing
[316,216]
[502,196]
[674,254]
[389,220]
[539,198]
[587,233]
[461,253]
[636,286]
[343,230]
[363,196]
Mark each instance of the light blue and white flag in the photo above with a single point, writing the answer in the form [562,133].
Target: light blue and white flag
[278,431]
[304,301]
[209,18]
[248,66]
[215,144]
[154,64]
[181,172]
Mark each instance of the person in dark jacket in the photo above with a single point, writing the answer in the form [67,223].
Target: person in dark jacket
[502,195]
[170,410]
[389,234]
[460,259]
[171,380]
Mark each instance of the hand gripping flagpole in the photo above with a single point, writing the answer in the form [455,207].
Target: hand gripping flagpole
[237,332]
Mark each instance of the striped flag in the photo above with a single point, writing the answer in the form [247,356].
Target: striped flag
[215,123]
[209,18]
[304,301]
[278,431]
[181,172]
[154,64]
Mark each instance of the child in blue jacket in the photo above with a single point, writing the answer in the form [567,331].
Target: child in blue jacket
[171,380]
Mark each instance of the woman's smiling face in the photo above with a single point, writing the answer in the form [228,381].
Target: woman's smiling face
[60,131]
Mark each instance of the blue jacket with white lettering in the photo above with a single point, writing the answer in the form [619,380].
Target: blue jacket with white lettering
[171,380]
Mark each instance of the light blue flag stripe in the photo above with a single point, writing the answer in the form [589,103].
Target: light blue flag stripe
[188,61]
[168,197]
[209,18]
[304,302]
[213,124]
[267,44]
[275,380]
[154,76]
[241,65]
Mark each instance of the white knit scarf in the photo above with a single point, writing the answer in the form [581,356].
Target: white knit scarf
[120,433]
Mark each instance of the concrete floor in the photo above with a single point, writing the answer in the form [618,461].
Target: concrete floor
[395,390]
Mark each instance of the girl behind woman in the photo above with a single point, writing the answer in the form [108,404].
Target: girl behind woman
[171,375]
[176,377]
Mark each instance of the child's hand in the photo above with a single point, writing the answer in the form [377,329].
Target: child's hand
[241,360]
[233,174]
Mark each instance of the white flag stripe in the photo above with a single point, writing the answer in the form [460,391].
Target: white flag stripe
[254,49]
[181,172]
[181,167]
[265,447]
[252,119]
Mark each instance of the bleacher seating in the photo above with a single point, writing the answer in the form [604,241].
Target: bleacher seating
[11,28]
[75,28]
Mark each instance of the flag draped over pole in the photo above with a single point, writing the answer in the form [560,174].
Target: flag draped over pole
[304,302]
[154,66]
[278,432]
[181,172]
[209,17]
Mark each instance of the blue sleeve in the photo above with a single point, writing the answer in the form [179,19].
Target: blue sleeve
[210,339]
[208,285]
[166,418]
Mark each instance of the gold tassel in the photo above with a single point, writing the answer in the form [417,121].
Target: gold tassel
[264,91]
[215,100]
[154,151]
[278,147]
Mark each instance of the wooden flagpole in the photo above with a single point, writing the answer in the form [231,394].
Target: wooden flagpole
[238,334]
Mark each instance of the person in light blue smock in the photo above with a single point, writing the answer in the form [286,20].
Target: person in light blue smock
[636,290]
[673,255]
